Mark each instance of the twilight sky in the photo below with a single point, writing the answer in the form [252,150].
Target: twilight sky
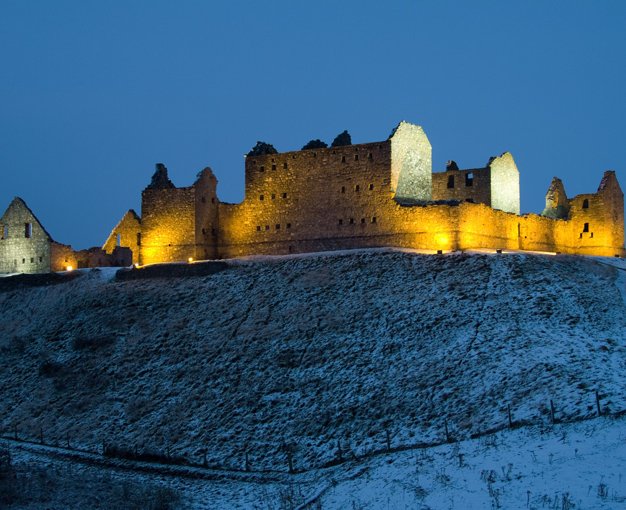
[93,94]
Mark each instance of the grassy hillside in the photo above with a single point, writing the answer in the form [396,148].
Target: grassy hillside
[322,357]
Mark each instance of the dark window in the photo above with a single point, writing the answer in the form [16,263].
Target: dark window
[213,200]
[40,259]
[315,154]
[267,227]
[343,159]
[362,220]
[373,219]
[351,221]
[343,190]
[204,200]
[261,197]
[371,187]
[284,195]
[450,181]
[340,222]
[23,261]
[469,178]
[138,238]
[585,204]
[5,232]
[273,196]
[369,156]
[118,239]
[261,168]
[591,235]
[204,230]
[288,225]
[356,157]
[586,227]
[285,166]
[32,259]
[28,230]
[258,228]
[273,167]
[278,226]
[357,188]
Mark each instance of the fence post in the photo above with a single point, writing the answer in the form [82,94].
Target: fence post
[552,412]
[510,418]
[40,435]
[598,403]
[247,464]
[447,433]
[388,438]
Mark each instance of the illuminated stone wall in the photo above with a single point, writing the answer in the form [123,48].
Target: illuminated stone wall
[504,184]
[167,225]
[61,257]
[367,195]
[471,184]
[24,243]
[411,164]
[313,198]
[126,233]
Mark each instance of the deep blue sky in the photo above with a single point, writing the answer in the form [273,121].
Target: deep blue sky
[93,94]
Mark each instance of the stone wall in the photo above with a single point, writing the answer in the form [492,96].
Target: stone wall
[167,225]
[463,185]
[307,198]
[126,233]
[24,243]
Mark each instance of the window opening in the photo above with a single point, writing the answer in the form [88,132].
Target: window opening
[118,239]
[373,219]
[340,222]
[362,221]
[469,178]
[369,156]
[371,187]
[288,225]
[261,168]
[28,230]
[285,166]
[258,228]
[585,204]
[261,197]
[267,227]
[357,188]
[284,195]
[356,157]
[138,238]
[32,259]
[586,227]
[519,230]
[277,226]
[351,221]
[273,167]
[204,200]
[213,200]
[273,196]
[343,159]
[450,181]
[343,189]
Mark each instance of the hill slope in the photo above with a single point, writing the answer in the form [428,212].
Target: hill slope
[323,356]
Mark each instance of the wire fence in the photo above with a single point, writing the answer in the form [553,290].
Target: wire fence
[342,453]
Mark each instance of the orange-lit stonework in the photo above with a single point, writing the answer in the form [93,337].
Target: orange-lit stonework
[380,194]
[371,195]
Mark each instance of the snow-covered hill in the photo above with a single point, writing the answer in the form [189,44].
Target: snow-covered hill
[314,359]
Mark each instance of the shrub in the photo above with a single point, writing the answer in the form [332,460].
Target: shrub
[262,148]
[315,144]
